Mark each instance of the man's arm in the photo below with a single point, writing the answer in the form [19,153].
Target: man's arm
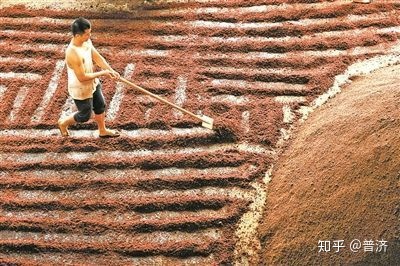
[102,63]
[76,64]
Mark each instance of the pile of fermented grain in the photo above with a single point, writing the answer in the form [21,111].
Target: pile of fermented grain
[339,179]
[99,5]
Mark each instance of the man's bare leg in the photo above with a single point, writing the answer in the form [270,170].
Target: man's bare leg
[63,125]
[101,124]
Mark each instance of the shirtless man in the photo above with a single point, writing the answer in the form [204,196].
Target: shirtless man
[83,84]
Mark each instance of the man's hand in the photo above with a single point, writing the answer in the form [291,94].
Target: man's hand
[112,74]
[115,75]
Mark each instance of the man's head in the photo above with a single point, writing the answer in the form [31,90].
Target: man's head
[81,28]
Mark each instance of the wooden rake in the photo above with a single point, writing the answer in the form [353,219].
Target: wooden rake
[207,122]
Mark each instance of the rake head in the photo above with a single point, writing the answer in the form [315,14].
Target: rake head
[208,122]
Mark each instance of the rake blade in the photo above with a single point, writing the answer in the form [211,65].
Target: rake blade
[208,122]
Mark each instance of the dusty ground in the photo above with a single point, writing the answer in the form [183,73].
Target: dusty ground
[338,179]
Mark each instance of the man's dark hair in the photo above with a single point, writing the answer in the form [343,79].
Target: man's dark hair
[80,25]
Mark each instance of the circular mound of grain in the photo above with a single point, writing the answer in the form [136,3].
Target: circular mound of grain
[338,179]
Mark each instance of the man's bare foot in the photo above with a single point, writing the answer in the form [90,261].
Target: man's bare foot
[109,133]
[63,128]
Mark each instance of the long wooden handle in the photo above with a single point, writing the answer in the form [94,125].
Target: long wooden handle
[160,98]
